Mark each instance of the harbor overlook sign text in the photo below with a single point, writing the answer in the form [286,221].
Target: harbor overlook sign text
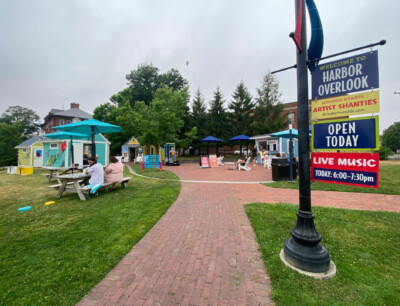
[344,76]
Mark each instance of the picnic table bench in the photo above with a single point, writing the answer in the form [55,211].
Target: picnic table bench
[57,171]
[123,182]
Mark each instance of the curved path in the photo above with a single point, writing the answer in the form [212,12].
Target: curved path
[203,250]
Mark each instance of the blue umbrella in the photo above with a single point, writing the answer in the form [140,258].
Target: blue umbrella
[64,135]
[211,139]
[241,137]
[89,127]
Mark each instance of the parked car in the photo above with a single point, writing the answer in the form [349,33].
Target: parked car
[244,152]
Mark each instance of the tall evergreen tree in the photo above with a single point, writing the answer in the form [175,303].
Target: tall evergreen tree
[242,107]
[217,116]
[268,113]
[199,115]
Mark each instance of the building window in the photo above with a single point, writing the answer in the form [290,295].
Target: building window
[54,146]
[61,121]
[272,146]
[68,121]
[75,120]
[23,150]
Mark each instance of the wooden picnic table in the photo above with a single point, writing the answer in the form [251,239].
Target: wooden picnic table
[230,165]
[67,179]
[55,172]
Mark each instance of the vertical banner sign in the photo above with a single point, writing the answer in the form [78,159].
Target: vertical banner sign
[355,169]
[204,162]
[213,161]
[346,134]
[344,76]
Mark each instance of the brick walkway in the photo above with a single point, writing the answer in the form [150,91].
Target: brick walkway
[203,250]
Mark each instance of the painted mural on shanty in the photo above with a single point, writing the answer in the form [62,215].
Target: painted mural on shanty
[57,152]
[30,152]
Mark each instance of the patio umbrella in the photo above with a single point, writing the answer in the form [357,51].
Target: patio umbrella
[241,138]
[211,139]
[89,127]
[64,135]
[286,134]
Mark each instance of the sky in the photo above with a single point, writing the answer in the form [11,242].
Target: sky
[53,53]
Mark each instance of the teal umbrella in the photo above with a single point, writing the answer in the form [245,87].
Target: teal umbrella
[89,127]
[64,135]
[286,134]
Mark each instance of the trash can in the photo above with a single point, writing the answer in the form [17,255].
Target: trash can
[280,169]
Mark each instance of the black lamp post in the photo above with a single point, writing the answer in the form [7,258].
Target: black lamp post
[304,250]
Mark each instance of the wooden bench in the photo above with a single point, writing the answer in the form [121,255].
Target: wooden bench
[123,182]
[57,186]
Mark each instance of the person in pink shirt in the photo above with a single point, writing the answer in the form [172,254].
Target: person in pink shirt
[114,171]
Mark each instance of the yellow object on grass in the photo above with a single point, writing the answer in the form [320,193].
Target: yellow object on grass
[25,170]
[49,203]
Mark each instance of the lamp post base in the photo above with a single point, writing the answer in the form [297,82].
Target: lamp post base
[308,258]
[323,275]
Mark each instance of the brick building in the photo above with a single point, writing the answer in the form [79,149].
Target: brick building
[290,112]
[59,117]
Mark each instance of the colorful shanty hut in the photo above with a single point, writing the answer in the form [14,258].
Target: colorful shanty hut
[30,152]
[131,149]
[57,152]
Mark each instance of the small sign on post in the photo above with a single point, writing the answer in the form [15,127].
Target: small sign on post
[346,134]
[355,169]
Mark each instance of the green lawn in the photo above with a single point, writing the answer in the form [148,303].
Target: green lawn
[364,245]
[389,182]
[53,255]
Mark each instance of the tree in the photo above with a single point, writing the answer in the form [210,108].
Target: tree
[143,83]
[217,116]
[242,108]
[161,121]
[173,79]
[28,118]
[122,97]
[391,137]
[199,115]
[10,136]
[145,80]
[269,108]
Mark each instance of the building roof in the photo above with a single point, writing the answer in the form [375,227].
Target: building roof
[27,143]
[74,113]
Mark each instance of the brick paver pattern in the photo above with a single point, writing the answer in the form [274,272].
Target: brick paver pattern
[203,250]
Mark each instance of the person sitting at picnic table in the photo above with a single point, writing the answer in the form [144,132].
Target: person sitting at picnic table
[114,171]
[95,171]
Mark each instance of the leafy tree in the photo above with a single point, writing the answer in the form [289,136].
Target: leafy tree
[145,80]
[122,97]
[143,83]
[28,118]
[10,136]
[161,121]
[218,116]
[173,79]
[199,115]
[391,137]
[242,108]
[269,108]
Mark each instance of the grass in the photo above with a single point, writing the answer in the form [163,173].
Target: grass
[389,182]
[363,245]
[53,255]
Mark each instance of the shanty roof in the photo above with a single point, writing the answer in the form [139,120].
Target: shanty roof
[27,143]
